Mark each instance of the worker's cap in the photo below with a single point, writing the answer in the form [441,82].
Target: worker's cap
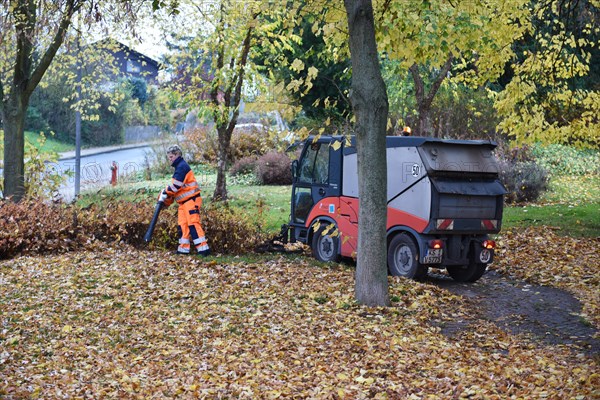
[175,149]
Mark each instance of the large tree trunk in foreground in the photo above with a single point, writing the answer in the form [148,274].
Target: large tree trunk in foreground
[28,70]
[13,121]
[370,105]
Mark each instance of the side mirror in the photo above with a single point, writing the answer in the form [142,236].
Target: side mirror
[294,167]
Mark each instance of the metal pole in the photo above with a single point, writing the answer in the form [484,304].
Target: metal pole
[77,149]
[78,124]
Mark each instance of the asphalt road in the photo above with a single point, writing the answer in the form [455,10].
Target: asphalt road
[95,168]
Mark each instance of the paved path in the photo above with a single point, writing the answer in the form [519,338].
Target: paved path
[95,166]
[101,150]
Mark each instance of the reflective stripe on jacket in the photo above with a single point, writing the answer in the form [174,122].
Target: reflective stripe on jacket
[184,185]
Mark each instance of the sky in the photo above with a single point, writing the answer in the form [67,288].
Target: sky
[152,43]
[152,27]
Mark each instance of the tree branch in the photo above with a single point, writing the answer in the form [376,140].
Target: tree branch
[342,94]
[439,79]
[384,8]
[419,85]
[205,16]
[214,93]
[425,100]
[239,78]
[24,14]
[72,6]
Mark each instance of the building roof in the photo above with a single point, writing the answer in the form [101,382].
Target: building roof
[123,47]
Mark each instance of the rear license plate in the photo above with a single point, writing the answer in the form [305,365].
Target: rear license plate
[433,256]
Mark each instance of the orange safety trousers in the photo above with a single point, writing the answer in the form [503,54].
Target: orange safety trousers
[189,226]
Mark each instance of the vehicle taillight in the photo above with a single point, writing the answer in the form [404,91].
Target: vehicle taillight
[436,244]
[489,244]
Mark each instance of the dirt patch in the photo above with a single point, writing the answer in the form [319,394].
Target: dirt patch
[544,313]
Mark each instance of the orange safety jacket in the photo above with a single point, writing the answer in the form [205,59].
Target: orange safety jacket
[184,185]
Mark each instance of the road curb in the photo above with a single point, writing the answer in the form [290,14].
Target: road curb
[69,155]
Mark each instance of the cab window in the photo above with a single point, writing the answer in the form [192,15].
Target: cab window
[314,167]
[303,203]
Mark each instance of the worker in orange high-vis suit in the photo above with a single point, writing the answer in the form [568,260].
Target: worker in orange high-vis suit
[185,191]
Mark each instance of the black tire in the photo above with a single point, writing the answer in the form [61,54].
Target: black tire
[403,258]
[467,273]
[479,271]
[325,247]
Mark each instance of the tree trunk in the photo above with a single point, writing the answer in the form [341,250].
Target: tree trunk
[423,121]
[224,140]
[370,105]
[424,100]
[13,120]
[27,74]
[231,100]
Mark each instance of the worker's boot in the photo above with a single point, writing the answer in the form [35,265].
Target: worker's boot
[204,253]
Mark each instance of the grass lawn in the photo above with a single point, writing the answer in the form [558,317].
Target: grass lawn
[268,205]
[572,204]
[572,220]
[49,145]
[272,203]
[574,190]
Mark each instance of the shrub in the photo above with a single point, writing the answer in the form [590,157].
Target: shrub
[35,121]
[157,109]
[274,169]
[41,179]
[66,227]
[243,172]
[250,141]
[202,144]
[108,127]
[48,101]
[139,90]
[525,181]
[243,166]
[133,113]
[248,179]
[515,155]
[229,232]
[463,113]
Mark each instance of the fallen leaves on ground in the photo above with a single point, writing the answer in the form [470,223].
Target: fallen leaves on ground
[123,323]
[538,255]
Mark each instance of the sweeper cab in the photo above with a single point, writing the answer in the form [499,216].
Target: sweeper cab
[444,199]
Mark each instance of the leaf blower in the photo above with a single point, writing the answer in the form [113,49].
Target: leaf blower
[157,209]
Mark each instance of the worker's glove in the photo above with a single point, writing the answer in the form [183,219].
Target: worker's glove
[163,196]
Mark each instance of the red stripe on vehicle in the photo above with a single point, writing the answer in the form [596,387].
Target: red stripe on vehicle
[489,224]
[445,224]
[397,217]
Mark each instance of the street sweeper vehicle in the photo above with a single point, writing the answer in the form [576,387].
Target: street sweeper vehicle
[444,199]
